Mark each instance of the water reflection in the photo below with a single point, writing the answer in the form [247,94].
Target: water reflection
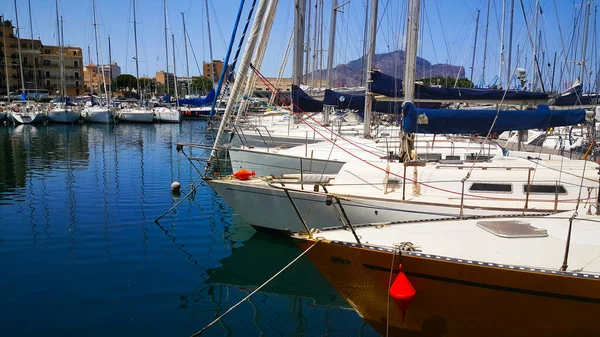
[77,240]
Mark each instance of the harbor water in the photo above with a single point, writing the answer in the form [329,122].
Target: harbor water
[81,255]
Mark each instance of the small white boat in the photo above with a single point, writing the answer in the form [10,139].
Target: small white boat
[26,113]
[61,113]
[135,115]
[167,115]
[98,114]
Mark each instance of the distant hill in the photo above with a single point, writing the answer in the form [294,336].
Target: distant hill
[348,75]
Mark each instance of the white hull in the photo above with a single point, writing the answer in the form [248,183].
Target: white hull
[136,116]
[27,117]
[166,115]
[98,115]
[249,202]
[268,163]
[63,116]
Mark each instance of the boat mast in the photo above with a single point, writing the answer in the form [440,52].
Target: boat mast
[210,50]
[315,40]
[307,40]
[187,64]
[166,46]
[97,52]
[137,68]
[412,38]
[19,46]
[62,60]
[487,24]
[321,45]
[175,70]
[331,47]
[510,41]
[370,57]
[584,43]
[110,74]
[535,46]
[299,41]
[243,70]
[502,42]
[33,58]
[475,45]
[5,62]
[363,72]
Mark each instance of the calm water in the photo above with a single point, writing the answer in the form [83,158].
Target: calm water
[80,253]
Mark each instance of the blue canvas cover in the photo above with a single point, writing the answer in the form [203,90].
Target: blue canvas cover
[199,101]
[440,121]
[304,103]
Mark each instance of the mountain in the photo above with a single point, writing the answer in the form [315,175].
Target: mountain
[349,74]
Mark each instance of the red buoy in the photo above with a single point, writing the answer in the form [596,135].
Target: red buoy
[402,292]
[244,174]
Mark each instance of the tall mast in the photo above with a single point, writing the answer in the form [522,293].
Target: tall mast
[584,43]
[137,68]
[487,24]
[412,38]
[174,70]
[502,42]
[370,57]
[187,64]
[331,47]
[97,52]
[510,41]
[33,58]
[535,45]
[210,51]
[166,45]
[19,46]
[363,74]
[110,74]
[5,62]
[307,40]
[62,60]
[475,44]
[321,46]
[299,41]
[315,39]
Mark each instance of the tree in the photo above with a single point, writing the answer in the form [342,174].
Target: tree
[448,82]
[202,84]
[124,81]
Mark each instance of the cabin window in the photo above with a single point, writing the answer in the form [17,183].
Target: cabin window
[491,187]
[544,189]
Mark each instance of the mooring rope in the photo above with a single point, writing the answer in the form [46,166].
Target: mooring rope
[255,290]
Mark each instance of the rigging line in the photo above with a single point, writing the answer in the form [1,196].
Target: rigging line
[532,43]
[216,16]
[255,290]
[437,4]
[293,107]
[430,34]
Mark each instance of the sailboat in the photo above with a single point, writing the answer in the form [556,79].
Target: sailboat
[135,113]
[165,112]
[61,110]
[23,112]
[97,111]
[492,276]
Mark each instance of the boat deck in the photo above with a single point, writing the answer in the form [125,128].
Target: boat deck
[467,240]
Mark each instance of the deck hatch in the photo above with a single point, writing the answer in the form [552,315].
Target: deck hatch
[512,229]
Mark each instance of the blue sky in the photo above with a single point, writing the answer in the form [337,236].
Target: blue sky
[447,32]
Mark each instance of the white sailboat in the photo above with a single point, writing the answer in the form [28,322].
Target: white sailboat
[61,111]
[99,112]
[134,113]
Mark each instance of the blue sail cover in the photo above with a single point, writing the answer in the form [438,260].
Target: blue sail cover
[208,99]
[392,87]
[436,121]
[304,103]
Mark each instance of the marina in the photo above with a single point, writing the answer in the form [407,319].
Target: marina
[372,188]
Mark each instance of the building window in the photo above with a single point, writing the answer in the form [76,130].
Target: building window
[75,53]
[25,60]
[76,74]
[75,63]
[76,83]
[47,74]
[48,83]
[489,187]
[47,51]
[46,62]
[77,91]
